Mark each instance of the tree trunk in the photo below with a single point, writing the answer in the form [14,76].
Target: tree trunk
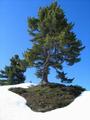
[45,77]
[45,74]
[45,67]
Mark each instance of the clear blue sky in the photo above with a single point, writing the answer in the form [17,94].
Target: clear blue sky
[14,38]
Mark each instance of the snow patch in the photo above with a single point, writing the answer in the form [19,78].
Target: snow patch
[13,107]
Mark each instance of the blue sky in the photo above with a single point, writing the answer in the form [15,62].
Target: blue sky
[14,38]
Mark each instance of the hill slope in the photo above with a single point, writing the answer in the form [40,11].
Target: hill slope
[12,107]
[46,97]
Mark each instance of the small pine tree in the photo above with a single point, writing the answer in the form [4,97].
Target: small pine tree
[53,44]
[15,72]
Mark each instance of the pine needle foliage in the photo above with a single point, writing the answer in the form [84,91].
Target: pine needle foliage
[14,73]
[53,43]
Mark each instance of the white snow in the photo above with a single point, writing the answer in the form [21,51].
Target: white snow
[13,107]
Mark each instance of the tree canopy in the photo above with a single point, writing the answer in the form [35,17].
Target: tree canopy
[14,73]
[53,43]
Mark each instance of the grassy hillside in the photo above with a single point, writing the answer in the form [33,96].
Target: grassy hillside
[42,98]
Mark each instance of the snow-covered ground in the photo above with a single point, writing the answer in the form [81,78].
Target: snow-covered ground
[13,107]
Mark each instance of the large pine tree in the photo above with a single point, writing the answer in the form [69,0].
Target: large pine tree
[14,74]
[53,43]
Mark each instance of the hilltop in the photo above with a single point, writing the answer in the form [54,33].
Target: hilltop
[43,98]
[13,107]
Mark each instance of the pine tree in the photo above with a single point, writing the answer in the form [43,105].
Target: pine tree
[14,73]
[53,43]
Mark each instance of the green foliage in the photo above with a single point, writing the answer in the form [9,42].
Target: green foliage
[14,73]
[3,82]
[18,90]
[54,43]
